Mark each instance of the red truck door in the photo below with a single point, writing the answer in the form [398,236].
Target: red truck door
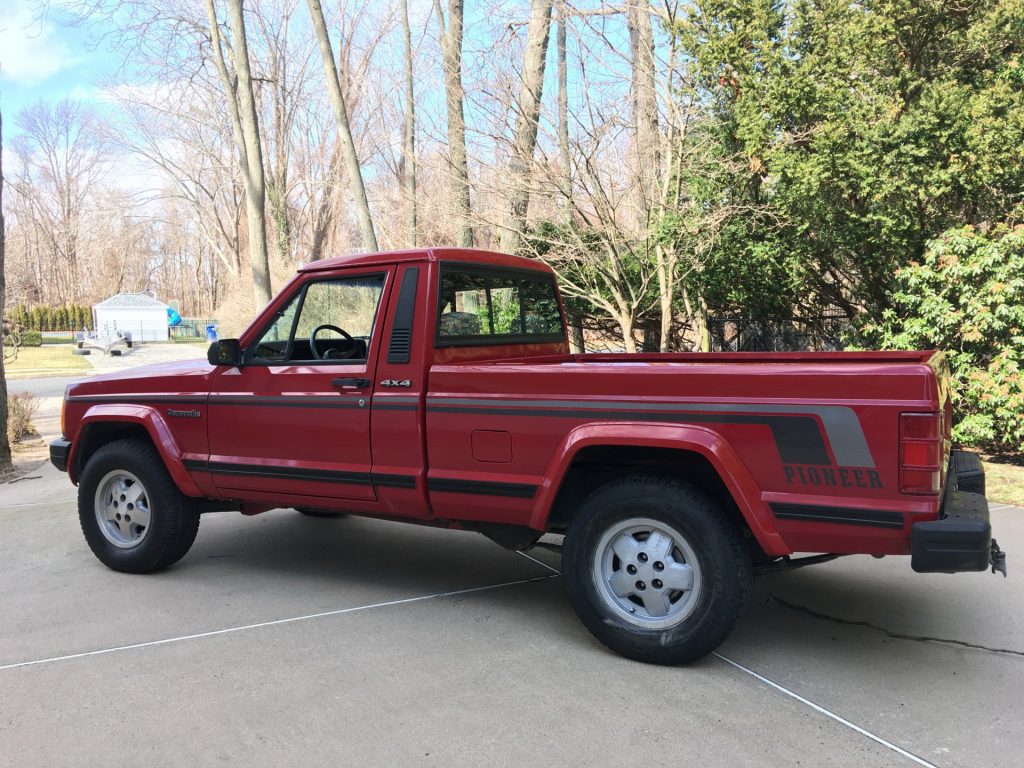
[295,418]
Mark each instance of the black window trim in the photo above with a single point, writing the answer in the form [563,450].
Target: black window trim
[247,360]
[496,340]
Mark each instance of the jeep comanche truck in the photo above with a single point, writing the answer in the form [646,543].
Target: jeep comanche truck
[436,386]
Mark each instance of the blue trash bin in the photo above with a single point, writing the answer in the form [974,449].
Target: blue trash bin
[211,332]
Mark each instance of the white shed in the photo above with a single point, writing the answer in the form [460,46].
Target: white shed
[139,314]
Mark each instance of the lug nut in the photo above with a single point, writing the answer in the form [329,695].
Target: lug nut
[631,569]
[641,586]
[659,566]
[657,584]
[642,557]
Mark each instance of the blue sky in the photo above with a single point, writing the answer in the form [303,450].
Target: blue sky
[45,59]
[48,58]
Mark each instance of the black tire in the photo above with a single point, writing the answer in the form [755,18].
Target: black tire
[115,353]
[173,521]
[81,351]
[721,585]
[312,512]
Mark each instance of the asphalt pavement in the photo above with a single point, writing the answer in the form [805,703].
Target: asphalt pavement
[283,639]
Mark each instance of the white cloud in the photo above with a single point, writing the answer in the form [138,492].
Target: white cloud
[31,50]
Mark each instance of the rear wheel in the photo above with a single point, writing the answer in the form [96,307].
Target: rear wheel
[133,516]
[655,569]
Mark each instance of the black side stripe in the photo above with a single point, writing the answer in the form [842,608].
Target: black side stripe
[284,401]
[798,438]
[842,515]
[135,399]
[482,488]
[288,473]
[393,481]
[300,473]
[325,401]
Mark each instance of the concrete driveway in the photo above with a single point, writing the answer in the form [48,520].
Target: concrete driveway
[287,639]
[283,639]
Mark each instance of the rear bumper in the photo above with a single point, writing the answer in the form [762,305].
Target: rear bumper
[961,539]
[59,450]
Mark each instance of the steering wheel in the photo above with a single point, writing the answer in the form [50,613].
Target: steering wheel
[327,355]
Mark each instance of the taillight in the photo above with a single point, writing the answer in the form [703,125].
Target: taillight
[920,452]
[64,416]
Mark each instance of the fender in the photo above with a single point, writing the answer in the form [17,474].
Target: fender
[154,424]
[700,440]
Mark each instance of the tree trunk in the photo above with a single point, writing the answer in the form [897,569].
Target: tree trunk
[451,50]
[528,113]
[255,192]
[645,106]
[348,146]
[245,127]
[577,343]
[409,143]
[563,112]
[626,325]
[5,445]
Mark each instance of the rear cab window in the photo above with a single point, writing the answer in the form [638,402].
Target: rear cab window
[480,305]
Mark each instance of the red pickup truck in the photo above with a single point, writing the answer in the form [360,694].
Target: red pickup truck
[436,386]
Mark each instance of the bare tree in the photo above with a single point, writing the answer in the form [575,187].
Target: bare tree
[524,143]
[5,445]
[237,85]
[451,52]
[62,156]
[350,158]
[281,56]
[409,131]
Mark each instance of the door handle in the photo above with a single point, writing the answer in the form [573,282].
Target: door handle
[350,383]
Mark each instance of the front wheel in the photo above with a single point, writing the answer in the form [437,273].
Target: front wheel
[132,514]
[655,569]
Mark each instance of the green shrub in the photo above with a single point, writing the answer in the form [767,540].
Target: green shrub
[31,339]
[967,298]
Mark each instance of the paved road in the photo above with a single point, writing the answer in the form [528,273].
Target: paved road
[53,386]
[282,639]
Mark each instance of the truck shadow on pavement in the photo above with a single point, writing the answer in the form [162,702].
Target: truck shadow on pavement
[813,614]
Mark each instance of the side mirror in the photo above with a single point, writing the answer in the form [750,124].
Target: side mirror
[225,352]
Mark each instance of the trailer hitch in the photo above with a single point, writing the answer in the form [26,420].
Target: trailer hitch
[998,559]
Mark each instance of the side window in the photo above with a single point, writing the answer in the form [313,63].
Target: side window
[483,306]
[329,320]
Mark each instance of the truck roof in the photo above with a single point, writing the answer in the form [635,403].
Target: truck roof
[473,255]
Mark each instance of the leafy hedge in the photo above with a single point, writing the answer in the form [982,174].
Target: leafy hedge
[967,298]
[74,317]
[31,339]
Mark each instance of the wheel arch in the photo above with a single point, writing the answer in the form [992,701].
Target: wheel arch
[103,423]
[594,454]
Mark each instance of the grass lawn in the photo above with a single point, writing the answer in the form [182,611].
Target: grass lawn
[1004,479]
[47,360]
